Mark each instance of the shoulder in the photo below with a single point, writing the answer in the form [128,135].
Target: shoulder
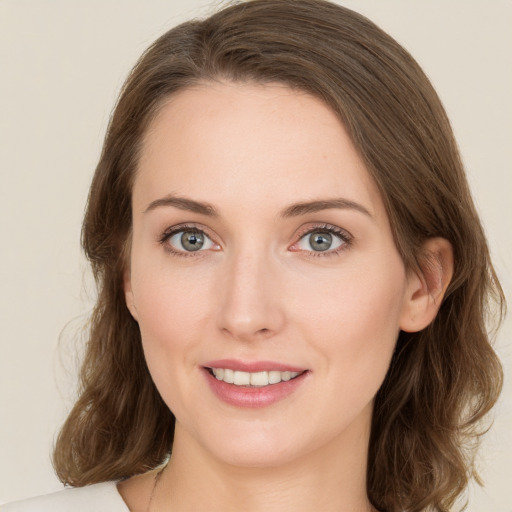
[103,497]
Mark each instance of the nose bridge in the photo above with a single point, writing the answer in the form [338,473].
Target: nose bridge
[250,304]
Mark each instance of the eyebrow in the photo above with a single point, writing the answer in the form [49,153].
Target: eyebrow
[294,210]
[183,203]
[304,208]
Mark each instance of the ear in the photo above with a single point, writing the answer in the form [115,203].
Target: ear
[426,287]
[128,294]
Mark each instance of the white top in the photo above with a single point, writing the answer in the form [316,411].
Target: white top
[102,497]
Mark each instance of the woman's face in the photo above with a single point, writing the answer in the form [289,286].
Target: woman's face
[262,254]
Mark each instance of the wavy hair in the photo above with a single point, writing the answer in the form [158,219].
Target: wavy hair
[442,381]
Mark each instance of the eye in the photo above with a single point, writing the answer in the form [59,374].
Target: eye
[319,241]
[187,240]
[324,239]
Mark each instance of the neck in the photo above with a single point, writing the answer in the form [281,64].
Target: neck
[331,478]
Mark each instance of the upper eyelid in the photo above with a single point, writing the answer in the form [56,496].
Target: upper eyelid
[312,226]
[177,228]
[325,227]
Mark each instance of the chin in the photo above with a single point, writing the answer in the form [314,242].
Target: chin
[258,453]
[256,444]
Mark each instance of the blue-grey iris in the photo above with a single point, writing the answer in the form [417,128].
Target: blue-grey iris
[320,241]
[192,241]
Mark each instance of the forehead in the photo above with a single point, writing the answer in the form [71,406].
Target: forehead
[253,142]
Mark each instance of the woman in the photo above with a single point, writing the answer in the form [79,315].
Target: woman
[292,279]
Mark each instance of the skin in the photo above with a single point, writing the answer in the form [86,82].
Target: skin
[259,291]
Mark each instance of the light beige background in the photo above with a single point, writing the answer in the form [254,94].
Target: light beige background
[62,63]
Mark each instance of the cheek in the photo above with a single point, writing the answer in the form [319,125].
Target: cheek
[353,333]
[353,316]
[363,295]
[171,308]
[170,312]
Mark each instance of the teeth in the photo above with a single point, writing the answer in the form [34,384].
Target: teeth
[274,377]
[242,379]
[256,379]
[259,379]
[229,376]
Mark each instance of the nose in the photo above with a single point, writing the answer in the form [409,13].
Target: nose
[250,302]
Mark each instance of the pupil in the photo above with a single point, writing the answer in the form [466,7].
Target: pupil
[321,242]
[192,241]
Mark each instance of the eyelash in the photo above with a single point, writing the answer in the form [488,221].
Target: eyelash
[345,237]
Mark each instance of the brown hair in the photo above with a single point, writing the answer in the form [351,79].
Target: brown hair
[442,381]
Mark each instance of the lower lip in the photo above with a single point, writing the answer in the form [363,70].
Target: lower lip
[255,397]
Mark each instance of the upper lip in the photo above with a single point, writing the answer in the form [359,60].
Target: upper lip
[252,366]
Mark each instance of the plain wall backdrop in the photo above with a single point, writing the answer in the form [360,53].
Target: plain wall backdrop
[61,66]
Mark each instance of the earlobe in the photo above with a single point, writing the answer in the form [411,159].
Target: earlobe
[128,295]
[426,288]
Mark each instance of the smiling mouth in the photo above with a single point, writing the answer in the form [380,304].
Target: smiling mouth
[252,379]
